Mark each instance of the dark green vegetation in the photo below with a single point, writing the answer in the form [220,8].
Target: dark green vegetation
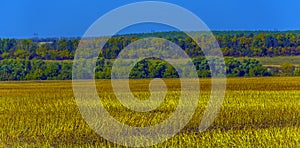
[239,43]
[257,112]
[50,59]
[149,68]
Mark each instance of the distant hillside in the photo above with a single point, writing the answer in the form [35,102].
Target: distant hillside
[232,43]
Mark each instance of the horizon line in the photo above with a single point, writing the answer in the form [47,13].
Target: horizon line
[146,32]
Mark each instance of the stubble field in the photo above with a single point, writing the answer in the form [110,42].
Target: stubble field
[256,112]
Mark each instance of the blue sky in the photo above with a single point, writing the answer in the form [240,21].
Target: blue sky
[65,18]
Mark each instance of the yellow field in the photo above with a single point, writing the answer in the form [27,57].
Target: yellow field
[256,112]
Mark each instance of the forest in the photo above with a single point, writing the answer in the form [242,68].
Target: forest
[51,58]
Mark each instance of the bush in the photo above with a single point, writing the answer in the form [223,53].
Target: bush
[287,69]
[297,71]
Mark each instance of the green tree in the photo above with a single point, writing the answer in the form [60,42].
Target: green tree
[65,72]
[51,71]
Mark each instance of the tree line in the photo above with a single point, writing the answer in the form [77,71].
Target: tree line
[16,69]
[235,44]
